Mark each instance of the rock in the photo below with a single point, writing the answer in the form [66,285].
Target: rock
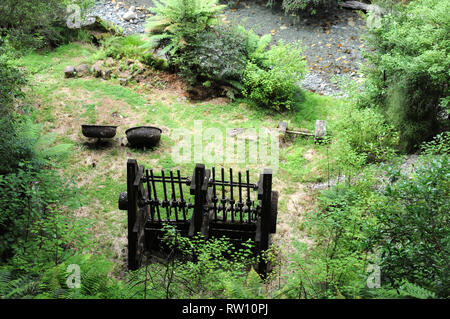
[109,61]
[139,67]
[69,72]
[106,74]
[97,68]
[82,70]
[131,14]
[160,60]
[123,81]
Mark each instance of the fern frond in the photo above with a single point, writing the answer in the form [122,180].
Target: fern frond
[408,289]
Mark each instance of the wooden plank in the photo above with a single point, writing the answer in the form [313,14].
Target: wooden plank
[321,129]
[132,168]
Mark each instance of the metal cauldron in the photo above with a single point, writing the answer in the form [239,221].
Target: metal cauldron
[99,131]
[143,136]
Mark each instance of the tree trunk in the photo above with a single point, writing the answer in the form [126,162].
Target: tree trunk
[356,5]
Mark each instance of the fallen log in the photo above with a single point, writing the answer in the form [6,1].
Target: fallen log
[356,5]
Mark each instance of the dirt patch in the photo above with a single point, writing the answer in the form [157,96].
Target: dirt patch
[290,219]
[162,84]
[310,154]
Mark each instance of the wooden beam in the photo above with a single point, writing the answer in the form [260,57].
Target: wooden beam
[356,5]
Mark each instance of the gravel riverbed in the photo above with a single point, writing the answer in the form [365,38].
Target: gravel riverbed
[331,40]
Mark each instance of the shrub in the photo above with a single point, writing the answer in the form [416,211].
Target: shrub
[308,6]
[408,71]
[365,133]
[218,57]
[28,189]
[14,146]
[220,270]
[334,266]
[177,22]
[271,78]
[413,230]
[124,47]
[11,81]
[36,23]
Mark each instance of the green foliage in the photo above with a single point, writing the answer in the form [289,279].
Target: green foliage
[14,146]
[199,268]
[218,56]
[29,194]
[403,228]
[21,142]
[408,289]
[124,47]
[225,56]
[272,77]
[334,266]
[30,24]
[362,136]
[308,6]
[11,81]
[413,229]
[440,145]
[407,74]
[15,287]
[95,279]
[177,22]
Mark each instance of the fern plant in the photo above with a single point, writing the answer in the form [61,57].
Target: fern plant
[176,22]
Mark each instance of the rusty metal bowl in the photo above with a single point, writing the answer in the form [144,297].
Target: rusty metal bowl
[99,131]
[143,136]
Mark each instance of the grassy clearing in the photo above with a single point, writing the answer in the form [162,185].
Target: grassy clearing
[63,105]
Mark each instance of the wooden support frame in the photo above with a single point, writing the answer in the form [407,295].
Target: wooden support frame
[237,216]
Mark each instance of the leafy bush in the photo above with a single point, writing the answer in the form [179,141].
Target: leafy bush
[198,268]
[225,56]
[124,47]
[408,70]
[217,57]
[308,6]
[364,133]
[21,142]
[413,229]
[177,22]
[400,225]
[14,147]
[31,24]
[271,78]
[334,266]
[11,81]
[439,145]
[29,190]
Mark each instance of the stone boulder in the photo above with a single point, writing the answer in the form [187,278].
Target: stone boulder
[97,68]
[106,74]
[82,70]
[131,14]
[69,72]
[109,61]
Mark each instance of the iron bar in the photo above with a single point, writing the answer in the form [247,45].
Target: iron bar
[155,195]
[231,195]
[240,204]
[214,199]
[149,194]
[182,201]
[223,200]
[174,201]
[249,202]
[165,202]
